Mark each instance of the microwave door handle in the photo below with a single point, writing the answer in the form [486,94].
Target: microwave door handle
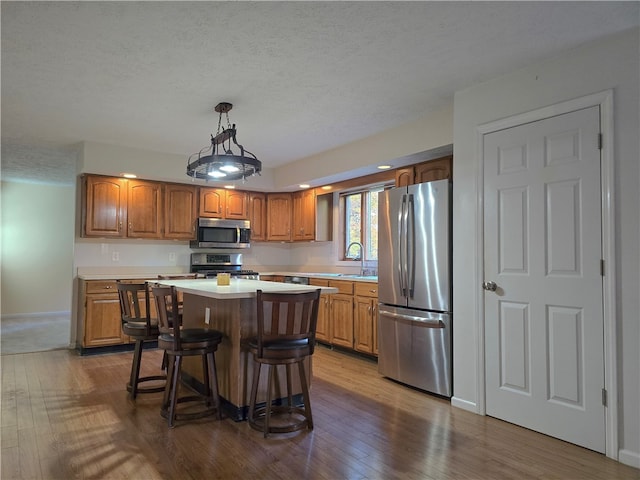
[237,234]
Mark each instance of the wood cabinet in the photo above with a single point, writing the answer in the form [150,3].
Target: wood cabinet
[341,313]
[99,319]
[104,207]
[101,323]
[279,217]
[224,203]
[144,209]
[366,318]
[258,216]
[119,208]
[437,169]
[304,215]
[323,327]
[180,211]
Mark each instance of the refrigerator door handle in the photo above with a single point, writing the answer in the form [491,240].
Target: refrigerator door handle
[402,246]
[429,322]
[410,232]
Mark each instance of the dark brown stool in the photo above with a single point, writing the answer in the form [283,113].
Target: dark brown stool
[286,336]
[138,324]
[179,342]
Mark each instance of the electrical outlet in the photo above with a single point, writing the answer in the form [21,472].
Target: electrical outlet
[207,314]
[115,256]
[104,248]
[172,257]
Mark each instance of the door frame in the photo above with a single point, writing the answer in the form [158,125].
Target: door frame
[604,100]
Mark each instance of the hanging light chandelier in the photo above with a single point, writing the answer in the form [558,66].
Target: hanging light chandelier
[217,161]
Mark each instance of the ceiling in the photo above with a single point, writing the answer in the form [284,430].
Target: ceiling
[304,77]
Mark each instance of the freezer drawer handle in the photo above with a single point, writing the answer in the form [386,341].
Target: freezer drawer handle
[431,323]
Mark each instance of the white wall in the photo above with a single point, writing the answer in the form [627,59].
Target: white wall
[37,248]
[609,64]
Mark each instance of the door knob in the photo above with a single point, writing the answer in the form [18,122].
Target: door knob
[490,286]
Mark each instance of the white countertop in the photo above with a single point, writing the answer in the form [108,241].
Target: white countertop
[238,287]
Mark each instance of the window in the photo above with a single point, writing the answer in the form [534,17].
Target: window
[360,221]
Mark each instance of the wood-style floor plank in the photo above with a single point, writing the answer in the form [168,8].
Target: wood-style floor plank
[66,416]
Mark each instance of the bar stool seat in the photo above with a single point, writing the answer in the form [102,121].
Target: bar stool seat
[286,336]
[179,342]
[138,324]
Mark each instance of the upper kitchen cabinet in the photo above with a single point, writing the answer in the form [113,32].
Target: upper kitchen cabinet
[144,209]
[437,169]
[104,207]
[258,216]
[223,203]
[304,215]
[279,217]
[180,211]
[115,207]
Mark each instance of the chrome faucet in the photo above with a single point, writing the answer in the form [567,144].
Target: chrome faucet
[355,258]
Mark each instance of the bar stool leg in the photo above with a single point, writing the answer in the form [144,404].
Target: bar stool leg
[254,391]
[132,387]
[305,395]
[174,389]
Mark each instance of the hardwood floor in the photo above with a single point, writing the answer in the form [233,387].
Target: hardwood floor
[66,416]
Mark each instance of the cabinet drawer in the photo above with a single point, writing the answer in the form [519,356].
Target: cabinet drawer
[101,286]
[319,282]
[343,286]
[366,289]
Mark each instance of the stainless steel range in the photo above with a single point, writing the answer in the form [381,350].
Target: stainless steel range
[211,264]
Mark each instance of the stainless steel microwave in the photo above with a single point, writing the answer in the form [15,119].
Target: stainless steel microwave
[220,233]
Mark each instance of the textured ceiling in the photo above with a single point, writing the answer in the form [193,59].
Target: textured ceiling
[304,77]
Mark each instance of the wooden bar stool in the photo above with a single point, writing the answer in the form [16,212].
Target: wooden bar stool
[179,342]
[138,324]
[286,336]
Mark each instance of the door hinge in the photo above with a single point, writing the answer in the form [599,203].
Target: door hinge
[604,397]
[599,141]
[602,267]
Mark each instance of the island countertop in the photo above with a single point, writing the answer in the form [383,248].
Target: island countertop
[237,288]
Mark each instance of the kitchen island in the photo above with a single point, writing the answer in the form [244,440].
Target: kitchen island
[231,309]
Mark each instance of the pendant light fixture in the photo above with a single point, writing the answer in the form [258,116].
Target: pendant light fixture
[217,161]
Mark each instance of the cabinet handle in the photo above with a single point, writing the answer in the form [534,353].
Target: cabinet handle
[372,291]
[107,287]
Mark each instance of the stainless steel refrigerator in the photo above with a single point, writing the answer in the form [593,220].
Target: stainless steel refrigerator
[414,280]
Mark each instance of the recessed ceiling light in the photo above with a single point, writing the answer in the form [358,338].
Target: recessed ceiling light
[304,185]
[384,167]
[129,175]
[230,187]
[327,187]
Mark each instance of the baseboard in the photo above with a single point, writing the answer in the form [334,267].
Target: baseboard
[629,458]
[464,404]
[64,313]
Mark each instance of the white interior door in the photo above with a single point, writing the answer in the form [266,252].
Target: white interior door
[544,354]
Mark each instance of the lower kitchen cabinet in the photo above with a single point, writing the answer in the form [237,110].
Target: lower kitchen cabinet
[100,325]
[323,330]
[366,318]
[341,307]
[99,320]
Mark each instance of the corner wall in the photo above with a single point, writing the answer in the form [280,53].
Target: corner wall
[612,63]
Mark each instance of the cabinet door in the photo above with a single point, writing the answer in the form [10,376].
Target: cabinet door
[323,328]
[363,325]
[237,205]
[180,211]
[258,216]
[342,320]
[212,202]
[404,176]
[104,206]
[433,170]
[304,215]
[103,325]
[279,217]
[144,209]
